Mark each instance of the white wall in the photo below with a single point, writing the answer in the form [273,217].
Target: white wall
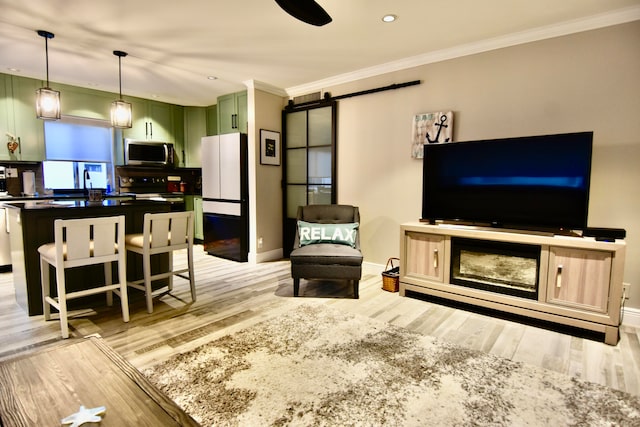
[586,81]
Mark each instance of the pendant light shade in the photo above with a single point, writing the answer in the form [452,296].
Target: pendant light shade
[120,109]
[47,99]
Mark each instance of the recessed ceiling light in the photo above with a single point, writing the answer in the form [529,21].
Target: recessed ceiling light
[389,18]
[212,77]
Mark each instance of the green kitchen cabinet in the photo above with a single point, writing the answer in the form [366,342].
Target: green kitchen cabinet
[198,222]
[160,118]
[232,113]
[81,102]
[19,118]
[195,119]
[5,103]
[151,120]
[212,120]
[243,112]
[194,203]
[178,132]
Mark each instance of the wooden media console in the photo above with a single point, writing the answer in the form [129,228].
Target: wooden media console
[573,281]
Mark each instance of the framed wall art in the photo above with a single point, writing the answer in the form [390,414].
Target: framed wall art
[269,147]
[430,128]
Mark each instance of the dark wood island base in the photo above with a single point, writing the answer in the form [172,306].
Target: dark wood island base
[31,225]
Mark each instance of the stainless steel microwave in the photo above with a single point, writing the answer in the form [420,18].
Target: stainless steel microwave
[148,153]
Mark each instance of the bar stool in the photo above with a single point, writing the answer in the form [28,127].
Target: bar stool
[81,242]
[163,233]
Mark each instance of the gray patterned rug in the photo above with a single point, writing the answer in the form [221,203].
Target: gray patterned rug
[314,366]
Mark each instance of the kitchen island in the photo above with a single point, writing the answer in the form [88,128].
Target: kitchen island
[31,224]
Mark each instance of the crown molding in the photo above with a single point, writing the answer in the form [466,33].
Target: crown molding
[620,16]
[265,87]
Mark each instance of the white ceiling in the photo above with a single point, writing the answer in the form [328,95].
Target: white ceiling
[174,45]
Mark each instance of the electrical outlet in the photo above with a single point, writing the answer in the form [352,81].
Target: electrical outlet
[260,242]
[11,172]
[627,288]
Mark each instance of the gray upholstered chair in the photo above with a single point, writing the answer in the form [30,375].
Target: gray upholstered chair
[327,245]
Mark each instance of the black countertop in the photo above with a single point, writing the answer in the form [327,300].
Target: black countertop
[61,197]
[77,204]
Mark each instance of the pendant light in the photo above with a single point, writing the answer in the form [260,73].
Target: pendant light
[47,99]
[120,109]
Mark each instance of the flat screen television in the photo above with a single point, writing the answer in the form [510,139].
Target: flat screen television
[535,182]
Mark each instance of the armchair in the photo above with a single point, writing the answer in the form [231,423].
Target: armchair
[327,245]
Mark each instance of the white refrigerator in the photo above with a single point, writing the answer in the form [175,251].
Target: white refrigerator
[225,196]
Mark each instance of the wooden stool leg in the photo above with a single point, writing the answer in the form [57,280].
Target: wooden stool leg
[192,279]
[124,297]
[62,301]
[146,268]
[46,288]
[171,269]
[108,280]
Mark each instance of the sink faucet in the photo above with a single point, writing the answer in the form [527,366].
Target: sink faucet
[85,177]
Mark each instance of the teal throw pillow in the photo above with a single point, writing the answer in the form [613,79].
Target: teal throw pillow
[343,234]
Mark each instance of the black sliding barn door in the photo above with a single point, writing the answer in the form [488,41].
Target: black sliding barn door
[309,160]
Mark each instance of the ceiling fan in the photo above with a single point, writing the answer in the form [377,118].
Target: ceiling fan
[306,10]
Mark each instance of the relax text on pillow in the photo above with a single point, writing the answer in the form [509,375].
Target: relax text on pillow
[344,234]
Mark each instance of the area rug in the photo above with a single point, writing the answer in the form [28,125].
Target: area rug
[316,366]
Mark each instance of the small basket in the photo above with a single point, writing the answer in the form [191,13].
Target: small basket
[391,276]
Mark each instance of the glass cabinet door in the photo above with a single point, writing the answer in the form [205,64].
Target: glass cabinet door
[309,161]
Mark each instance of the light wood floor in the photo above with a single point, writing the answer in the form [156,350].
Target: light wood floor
[234,295]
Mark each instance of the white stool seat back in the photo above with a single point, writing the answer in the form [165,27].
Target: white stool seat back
[163,233]
[80,242]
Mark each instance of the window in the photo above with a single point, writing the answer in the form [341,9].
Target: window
[64,175]
[79,154]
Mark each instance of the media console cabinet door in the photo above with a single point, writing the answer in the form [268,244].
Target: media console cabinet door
[579,278]
[425,256]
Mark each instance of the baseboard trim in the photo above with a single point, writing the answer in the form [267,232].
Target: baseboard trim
[631,317]
[272,255]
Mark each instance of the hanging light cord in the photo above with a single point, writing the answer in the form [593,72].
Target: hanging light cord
[47,35]
[120,54]
[120,74]
[46,54]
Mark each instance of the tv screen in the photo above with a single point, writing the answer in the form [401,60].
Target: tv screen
[530,182]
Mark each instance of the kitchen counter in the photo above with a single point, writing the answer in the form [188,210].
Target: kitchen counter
[31,225]
[46,197]
[75,204]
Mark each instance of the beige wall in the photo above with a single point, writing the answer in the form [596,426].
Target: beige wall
[266,197]
[586,81]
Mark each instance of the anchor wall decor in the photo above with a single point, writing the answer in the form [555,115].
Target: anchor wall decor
[429,128]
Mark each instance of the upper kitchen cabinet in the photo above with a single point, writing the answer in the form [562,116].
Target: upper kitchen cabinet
[212,120]
[151,120]
[232,113]
[18,117]
[195,119]
[5,102]
[81,102]
[179,135]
